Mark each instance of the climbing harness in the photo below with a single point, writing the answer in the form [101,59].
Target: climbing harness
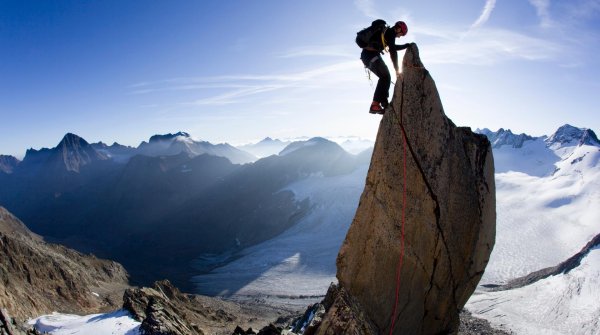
[368,71]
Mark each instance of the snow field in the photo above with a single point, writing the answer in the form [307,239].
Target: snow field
[300,261]
[561,304]
[119,322]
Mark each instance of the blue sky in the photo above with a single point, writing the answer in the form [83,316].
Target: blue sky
[238,71]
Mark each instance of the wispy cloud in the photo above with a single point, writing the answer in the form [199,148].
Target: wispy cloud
[485,46]
[185,87]
[367,7]
[584,9]
[541,7]
[233,96]
[320,50]
[485,14]
[239,88]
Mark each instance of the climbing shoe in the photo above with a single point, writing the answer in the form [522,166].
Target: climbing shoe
[376,108]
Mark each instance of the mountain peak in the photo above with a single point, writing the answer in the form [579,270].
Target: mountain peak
[73,152]
[570,135]
[269,140]
[72,140]
[505,137]
[315,141]
[169,136]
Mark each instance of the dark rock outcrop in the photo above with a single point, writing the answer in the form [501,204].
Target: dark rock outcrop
[163,309]
[10,326]
[338,313]
[271,329]
[450,218]
[470,325]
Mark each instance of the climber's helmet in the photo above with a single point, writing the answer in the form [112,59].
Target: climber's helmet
[401,28]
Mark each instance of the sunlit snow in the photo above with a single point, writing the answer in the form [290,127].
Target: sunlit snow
[119,322]
[561,304]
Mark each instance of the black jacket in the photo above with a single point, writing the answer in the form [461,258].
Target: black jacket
[376,48]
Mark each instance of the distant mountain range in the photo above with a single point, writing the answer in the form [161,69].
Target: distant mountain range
[565,135]
[266,147]
[157,207]
[269,146]
[547,200]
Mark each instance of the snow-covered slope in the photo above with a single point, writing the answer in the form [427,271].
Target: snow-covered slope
[301,261]
[119,322]
[567,303]
[546,193]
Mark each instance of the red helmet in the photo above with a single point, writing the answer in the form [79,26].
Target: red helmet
[402,26]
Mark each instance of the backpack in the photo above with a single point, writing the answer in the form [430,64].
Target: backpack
[371,36]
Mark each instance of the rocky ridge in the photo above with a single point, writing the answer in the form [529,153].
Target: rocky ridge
[38,277]
[164,310]
[505,137]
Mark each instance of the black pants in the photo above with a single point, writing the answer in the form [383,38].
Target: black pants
[376,64]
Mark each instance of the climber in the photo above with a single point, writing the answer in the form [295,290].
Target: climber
[374,40]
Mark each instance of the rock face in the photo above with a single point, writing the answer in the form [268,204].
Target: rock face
[162,309]
[449,217]
[38,277]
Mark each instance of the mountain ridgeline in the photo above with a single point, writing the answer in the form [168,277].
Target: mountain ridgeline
[158,207]
[566,134]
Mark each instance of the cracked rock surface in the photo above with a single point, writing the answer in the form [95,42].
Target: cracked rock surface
[449,218]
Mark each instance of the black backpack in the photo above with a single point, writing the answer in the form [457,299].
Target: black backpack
[371,36]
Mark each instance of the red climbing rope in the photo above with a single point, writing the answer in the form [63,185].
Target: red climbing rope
[401,258]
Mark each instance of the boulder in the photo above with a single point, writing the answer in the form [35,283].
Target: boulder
[425,226]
